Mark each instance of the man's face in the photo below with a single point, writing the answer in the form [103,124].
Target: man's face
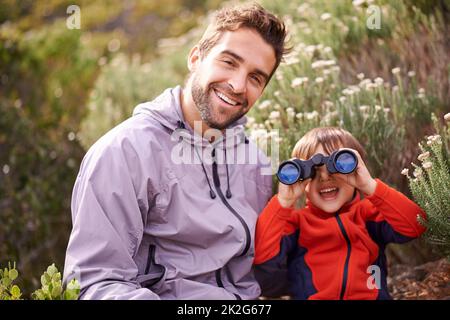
[231,77]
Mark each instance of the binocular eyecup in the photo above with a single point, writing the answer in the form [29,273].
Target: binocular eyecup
[340,161]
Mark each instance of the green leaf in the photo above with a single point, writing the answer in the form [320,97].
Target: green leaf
[46,290]
[6,282]
[51,270]
[38,295]
[56,277]
[13,274]
[56,292]
[45,279]
[15,292]
[57,286]
[73,285]
[69,295]
[72,290]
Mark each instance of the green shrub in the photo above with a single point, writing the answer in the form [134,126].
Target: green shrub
[8,290]
[51,289]
[430,185]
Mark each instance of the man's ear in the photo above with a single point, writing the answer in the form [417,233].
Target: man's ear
[194,58]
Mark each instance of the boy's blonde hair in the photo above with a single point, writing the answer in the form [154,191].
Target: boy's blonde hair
[330,138]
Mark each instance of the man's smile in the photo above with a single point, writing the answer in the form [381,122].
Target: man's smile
[226,98]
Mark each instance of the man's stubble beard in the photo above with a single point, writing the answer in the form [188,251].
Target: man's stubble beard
[204,105]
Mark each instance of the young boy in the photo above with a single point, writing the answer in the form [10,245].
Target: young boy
[335,244]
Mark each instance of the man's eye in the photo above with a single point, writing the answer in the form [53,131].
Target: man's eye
[256,79]
[228,62]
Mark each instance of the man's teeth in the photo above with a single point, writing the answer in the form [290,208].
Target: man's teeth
[226,99]
[328,190]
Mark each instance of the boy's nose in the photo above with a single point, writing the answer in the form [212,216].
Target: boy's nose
[323,173]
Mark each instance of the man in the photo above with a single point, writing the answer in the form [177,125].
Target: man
[146,223]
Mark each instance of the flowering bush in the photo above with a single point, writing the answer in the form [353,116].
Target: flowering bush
[307,92]
[430,184]
[316,85]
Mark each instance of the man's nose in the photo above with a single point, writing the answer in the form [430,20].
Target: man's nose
[238,83]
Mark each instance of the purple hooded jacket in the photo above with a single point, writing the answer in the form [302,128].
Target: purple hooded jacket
[149,225]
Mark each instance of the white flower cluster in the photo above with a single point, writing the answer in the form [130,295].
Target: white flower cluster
[322,64]
[423,157]
[447,117]
[296,82]
[264,104]
[434,139]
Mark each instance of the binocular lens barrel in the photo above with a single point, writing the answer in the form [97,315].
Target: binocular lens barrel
[341,161]
[289,173]
[345,162]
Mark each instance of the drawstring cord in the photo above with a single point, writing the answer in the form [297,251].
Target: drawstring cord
[228,193]
[212,194]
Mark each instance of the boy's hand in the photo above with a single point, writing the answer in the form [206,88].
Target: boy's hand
[360,178]
[288,194]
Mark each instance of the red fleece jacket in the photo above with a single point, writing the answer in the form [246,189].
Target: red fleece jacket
[334,251]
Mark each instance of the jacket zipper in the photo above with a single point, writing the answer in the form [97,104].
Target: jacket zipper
[227,204]
[347,259]
[154,272]
[220,283]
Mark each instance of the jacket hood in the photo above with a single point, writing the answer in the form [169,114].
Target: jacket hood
[166,109]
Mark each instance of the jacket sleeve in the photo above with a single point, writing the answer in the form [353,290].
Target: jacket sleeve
[276,237]
[107,225]
[393,217]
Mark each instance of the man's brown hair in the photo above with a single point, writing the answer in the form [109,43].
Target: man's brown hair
[252,16]
[330,138]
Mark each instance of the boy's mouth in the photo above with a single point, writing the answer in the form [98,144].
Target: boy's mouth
[329,193]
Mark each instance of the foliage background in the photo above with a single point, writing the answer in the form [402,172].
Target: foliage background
[61,89]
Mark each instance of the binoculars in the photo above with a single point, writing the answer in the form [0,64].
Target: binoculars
[340,161]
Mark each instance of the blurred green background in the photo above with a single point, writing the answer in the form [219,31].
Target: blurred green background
[61,89]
